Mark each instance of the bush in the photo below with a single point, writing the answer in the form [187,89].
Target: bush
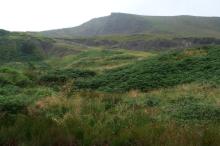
[12,105]
[9,76]
[61,76]
[191,109]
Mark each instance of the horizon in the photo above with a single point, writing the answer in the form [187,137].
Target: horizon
[110,15]
[43,15]
[128,14]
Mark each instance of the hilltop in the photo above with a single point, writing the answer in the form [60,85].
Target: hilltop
[120,23]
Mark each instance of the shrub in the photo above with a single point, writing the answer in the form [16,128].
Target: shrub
[191,109]
[61,76]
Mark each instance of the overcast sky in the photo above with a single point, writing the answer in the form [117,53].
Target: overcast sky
[37,15]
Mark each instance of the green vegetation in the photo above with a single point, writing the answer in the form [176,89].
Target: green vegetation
[99,60]
[53,93]
[21,47]
[170,69]
[132,118]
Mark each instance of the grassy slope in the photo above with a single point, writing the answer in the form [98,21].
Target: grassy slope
[170,69]
[19,80]
[98,59]
[21,47]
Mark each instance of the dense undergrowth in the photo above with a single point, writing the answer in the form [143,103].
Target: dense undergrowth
[170,69]
[185,115]
[60,102]
[22,47]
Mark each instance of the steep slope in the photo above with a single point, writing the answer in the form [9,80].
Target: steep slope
[119,23]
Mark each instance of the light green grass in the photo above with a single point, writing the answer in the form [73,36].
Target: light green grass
[99,59]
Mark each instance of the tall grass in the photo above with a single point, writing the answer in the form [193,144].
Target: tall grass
[160,117]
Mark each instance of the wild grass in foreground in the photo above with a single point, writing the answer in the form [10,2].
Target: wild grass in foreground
[184,115]
[35,131]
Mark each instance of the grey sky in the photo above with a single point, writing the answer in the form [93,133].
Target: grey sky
[36,15]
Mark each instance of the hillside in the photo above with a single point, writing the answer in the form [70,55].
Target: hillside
[169,69]
[119,23]
[145,42]
[21,47]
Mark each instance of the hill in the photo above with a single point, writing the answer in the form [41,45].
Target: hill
[120,23]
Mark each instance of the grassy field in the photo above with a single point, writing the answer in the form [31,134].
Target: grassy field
[112,97]
[99,59]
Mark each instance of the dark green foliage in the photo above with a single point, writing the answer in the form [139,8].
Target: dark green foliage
[9,76]
[63,75]
[21,47]
[18,90]
[170,69]
[12,105]
[15,99]
[189,108]
[31,50]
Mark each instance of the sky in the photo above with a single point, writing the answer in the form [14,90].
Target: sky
[39,15]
